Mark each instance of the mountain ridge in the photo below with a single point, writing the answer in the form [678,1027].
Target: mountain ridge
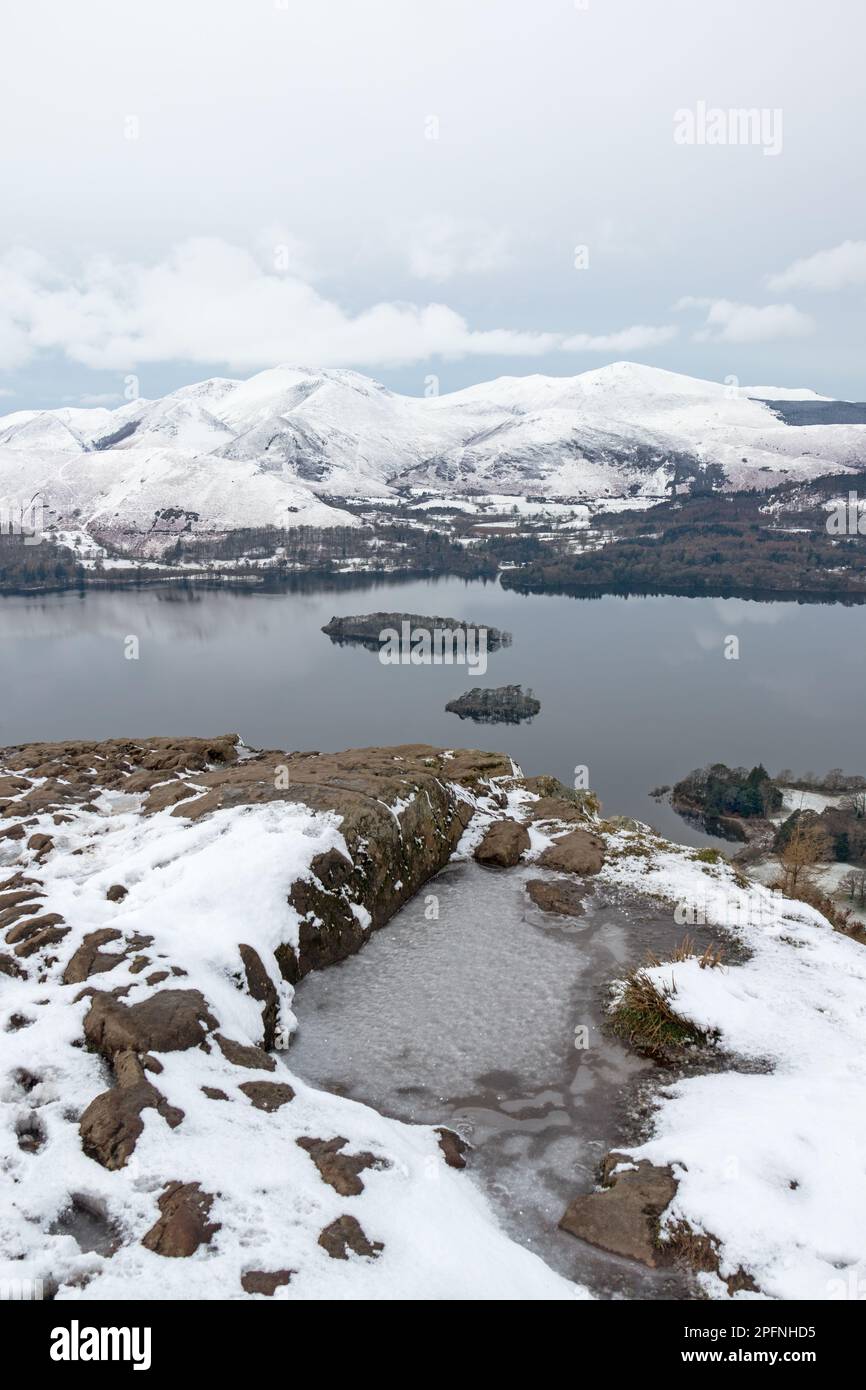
[284,446]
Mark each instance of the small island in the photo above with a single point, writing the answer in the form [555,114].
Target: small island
[367,629]
[503,704]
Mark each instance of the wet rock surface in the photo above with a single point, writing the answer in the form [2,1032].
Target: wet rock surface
[557,895]
[624,1218]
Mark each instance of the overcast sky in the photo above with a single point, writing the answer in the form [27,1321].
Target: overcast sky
[459,189]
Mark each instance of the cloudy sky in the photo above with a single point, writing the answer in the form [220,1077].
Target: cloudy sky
[459,189]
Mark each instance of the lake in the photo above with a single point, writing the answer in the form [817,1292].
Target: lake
[638,690]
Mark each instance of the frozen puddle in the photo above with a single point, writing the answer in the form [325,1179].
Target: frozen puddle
[470,1021]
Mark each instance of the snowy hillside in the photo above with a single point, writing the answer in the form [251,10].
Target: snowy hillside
[276,449]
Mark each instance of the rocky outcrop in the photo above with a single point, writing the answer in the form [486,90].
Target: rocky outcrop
[502,704]
[379,823]
[503,844]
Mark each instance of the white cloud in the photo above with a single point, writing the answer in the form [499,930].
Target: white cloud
[632,339]
[440,248]
[729,322]
[210,302]
[834,269]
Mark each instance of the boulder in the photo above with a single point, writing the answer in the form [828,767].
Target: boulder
[503,844]
[624,1218]
[578,852]
[557,895]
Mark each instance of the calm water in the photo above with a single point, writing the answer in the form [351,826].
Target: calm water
[636,689]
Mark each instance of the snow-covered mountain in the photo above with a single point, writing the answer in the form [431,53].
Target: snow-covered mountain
[283,447]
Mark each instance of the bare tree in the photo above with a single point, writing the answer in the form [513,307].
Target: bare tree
[807,845]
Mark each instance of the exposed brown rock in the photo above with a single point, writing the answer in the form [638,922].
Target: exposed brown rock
[265,1281]
[89,959]
[116,893]
[346,1234]
[183,1222]
[503,844]
[168,794]
[243,1056]
[624,1219]
[15,913]
[557,895]
[337,1169]
[10,966]
[41,845]
[267,1095]
[262,988]
[169,1021]
[47,936]
[555,808]
[214,1093]
[453,1147]
[360,785]
[15,898]
[31,925]
[111,1125]
[578,852]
